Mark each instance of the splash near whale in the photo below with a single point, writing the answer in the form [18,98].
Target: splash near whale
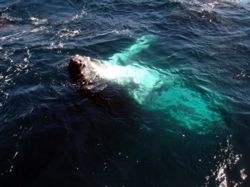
[154,89]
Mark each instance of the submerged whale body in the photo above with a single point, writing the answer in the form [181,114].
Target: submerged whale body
[151,89]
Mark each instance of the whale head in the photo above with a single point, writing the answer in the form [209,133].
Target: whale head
[77,65]
[84,71]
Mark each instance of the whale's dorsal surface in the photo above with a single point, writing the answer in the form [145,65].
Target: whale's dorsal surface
[93,76]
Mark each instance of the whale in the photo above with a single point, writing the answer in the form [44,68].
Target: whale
[152,88]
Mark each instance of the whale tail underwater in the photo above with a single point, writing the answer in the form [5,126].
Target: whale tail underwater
[155,89]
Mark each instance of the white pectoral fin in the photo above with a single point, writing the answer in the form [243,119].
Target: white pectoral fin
[140,44]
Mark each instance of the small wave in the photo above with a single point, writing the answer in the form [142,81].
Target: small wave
[57,45]
[66,33]
[38,29]
[80,15]
[76,17]
[11,36]
[208,9]
[125,32]
[242,75]
[122,32]
[8,18]
[14,69]
[37,21]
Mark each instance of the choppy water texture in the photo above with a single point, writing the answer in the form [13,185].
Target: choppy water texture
[183,122]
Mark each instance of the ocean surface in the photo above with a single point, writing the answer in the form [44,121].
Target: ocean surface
[185,120]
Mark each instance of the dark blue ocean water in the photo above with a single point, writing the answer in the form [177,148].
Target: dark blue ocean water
[51,135]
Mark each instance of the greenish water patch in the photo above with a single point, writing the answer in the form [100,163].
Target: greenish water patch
[187,107]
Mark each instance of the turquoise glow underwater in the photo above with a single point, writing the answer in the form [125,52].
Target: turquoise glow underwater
[159,90]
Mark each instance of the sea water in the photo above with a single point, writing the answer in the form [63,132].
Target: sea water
[182,115]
